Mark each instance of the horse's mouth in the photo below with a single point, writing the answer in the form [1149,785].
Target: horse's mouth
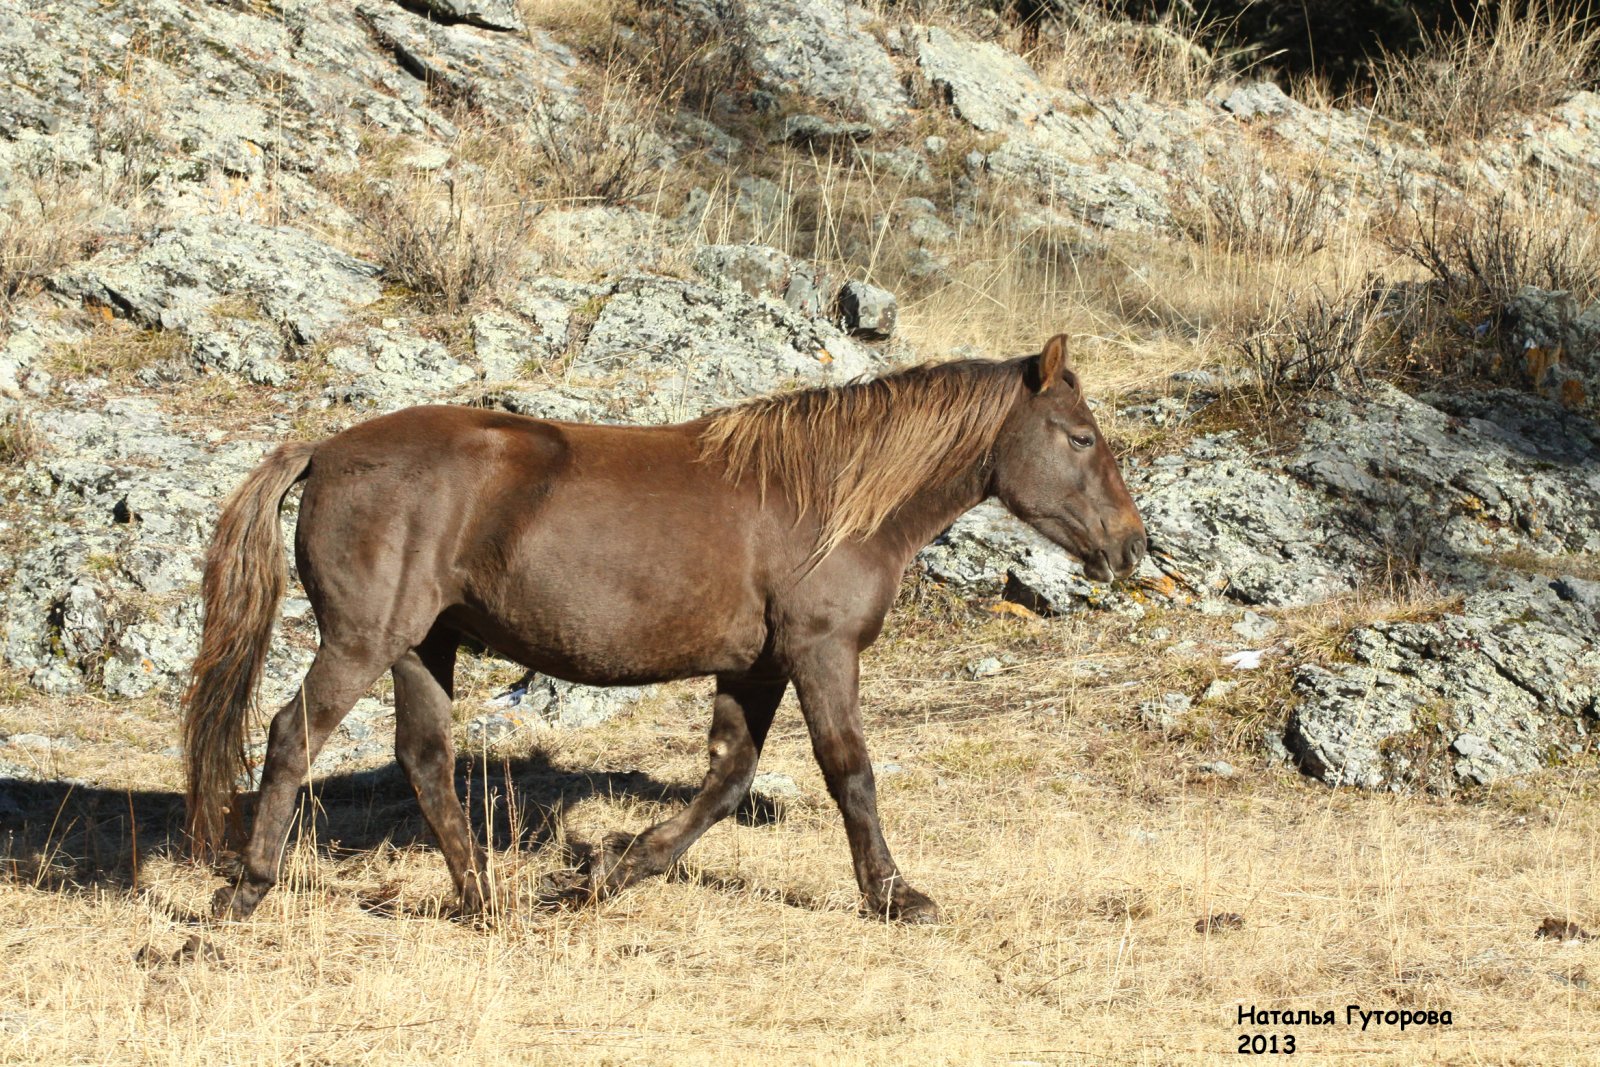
[1097,568]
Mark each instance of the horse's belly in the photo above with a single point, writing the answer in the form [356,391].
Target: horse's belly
[602,629]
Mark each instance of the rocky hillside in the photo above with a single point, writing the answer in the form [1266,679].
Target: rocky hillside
[1350,358]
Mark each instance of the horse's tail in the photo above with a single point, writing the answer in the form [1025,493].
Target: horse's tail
[242,588]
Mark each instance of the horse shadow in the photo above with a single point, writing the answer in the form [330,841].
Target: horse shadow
[72,838]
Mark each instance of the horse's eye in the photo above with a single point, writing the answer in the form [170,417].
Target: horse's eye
[1082,440]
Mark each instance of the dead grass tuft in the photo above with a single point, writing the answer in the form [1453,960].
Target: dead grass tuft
[119,351]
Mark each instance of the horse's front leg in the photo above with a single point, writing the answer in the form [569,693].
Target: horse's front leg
[827,685]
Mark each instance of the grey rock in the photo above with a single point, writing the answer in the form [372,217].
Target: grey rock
[821,49]
[906,164]
[570,705]
[1255,627]
[758,270]
[1258,99]
[991,88]
[652,350]
[1114,195]
[504,345]
[988,552]
[1504,682]
[1218,769]
[1445,480]
[1556,343]
[177,279]
[867,311]
[504,74]
[493,14]
[393,370]
[820,132]
[985,668]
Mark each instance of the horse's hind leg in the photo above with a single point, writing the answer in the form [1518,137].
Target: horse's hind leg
[740,719]
[336,680]
[423,684]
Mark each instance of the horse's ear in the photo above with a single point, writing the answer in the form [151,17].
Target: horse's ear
[1052,364]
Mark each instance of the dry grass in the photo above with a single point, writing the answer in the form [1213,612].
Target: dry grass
[1510,59]
[118,351]
[1072,860]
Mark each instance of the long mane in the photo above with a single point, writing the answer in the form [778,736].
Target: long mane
[850,455]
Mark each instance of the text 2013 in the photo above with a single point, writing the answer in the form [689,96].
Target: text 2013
[1266,1044]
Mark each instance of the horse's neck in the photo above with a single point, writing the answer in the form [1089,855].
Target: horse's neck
[928,513]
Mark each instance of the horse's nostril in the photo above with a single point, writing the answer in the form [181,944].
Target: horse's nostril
[1136,548]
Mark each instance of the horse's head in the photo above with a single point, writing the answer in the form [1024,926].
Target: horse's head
[1054,470]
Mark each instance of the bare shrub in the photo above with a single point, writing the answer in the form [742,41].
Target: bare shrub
[1313,344]
[599,149]
[1482,254]
[685,55]
[1509,59]
[447,239]
[1247,209]
[47,227]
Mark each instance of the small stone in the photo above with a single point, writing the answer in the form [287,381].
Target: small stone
[774,784]
[1255,627]
[867,311]
[985,668]
[818,132]
[1218,769]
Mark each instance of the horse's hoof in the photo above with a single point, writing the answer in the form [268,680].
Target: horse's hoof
[908,907]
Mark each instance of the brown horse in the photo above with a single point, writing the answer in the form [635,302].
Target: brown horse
[762,544]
